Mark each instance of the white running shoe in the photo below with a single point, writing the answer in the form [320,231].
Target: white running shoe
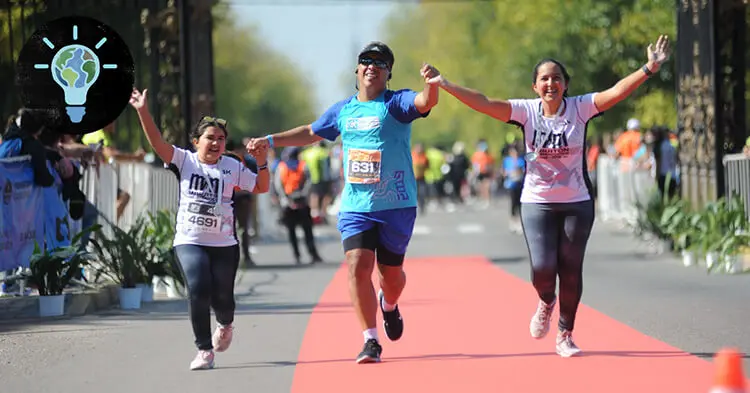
[539,325]
[222,337]
[204,360]
[565,346]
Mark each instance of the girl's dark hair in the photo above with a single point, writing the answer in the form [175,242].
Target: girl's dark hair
[562,68]
[202,125]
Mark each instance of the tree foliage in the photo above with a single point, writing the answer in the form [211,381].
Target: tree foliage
[257,89]
[493,46]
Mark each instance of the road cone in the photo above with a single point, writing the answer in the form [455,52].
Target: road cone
[728,374]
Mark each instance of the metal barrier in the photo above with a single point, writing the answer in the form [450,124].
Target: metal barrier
[620,185]
[151,189]
[737,177]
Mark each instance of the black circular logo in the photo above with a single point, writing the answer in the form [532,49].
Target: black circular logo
[80,70]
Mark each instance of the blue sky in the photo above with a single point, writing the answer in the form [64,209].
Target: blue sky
[321,37]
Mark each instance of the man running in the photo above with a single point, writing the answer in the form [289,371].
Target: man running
[378,203]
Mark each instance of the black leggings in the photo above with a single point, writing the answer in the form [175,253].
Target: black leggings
[209,275]
[515,200]
[556,236]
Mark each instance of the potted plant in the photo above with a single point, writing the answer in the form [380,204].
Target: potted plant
[721,221]
[120,256]
[731,245]
[163,269]
[51,271]
[649,224]
[735,227]
[680,225]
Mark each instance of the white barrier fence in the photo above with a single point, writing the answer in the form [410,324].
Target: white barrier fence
[151,189]
[620,185]
[737,177]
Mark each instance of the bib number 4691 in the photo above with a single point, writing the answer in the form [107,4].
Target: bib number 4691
[202,221]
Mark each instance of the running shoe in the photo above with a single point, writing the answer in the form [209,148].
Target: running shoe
[370,353]
[392,322]
[565,346]
[539,325]
[222,337]
[204,360]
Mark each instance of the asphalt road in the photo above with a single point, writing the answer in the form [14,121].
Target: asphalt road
[149,350]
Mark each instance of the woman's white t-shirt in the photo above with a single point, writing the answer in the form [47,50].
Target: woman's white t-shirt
[202,219]
[556,169]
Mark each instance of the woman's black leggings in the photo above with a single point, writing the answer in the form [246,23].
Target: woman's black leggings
[556,236]
[209,276]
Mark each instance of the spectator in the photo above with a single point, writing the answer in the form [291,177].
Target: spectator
[421,164]
[665,156]
[513,172]
[293,189]
[628,143]
[592,159]
[459,167]
[483,164]
[21,138]
[318,160]
[243,203]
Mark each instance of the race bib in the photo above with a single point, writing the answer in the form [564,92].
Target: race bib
[201,218]
[363,166]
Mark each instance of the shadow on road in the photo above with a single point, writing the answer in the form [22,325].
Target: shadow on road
[466,356]
[505,260]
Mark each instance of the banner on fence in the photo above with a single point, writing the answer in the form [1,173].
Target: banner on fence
[56,218]
[20,222]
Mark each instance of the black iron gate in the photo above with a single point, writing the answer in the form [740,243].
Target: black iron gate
[151,28]
[712,58]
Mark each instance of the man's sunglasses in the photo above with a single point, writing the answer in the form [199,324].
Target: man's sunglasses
[217,120]
[366,61]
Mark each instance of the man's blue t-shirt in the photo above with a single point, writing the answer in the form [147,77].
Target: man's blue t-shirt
[376,138]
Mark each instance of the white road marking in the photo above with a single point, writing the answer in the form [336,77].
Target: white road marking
[421,230]
[470,228]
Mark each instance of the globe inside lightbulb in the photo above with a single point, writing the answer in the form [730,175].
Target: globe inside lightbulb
[75,68]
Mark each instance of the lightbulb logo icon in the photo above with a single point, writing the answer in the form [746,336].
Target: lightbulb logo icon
[88,61]
[75,68]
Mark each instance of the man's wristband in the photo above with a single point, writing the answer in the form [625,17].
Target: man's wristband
[262,167]
[269,138]
[647,71]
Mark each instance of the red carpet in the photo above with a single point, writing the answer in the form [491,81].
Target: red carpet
[466,330]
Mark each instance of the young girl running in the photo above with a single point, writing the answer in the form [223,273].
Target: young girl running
[205,241]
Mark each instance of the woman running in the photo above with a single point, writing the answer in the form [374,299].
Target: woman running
[205,240]
[557,211]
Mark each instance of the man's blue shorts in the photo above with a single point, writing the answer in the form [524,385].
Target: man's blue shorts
[394,227]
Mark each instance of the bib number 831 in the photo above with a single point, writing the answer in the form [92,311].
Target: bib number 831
[363,167]
[203,221]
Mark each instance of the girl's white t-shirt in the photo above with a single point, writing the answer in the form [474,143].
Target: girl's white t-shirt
[202,218]
[556,170]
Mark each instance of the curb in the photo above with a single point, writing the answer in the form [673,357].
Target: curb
[76,304]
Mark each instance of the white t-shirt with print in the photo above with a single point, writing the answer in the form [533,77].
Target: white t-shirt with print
[200,219]
[555,159]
